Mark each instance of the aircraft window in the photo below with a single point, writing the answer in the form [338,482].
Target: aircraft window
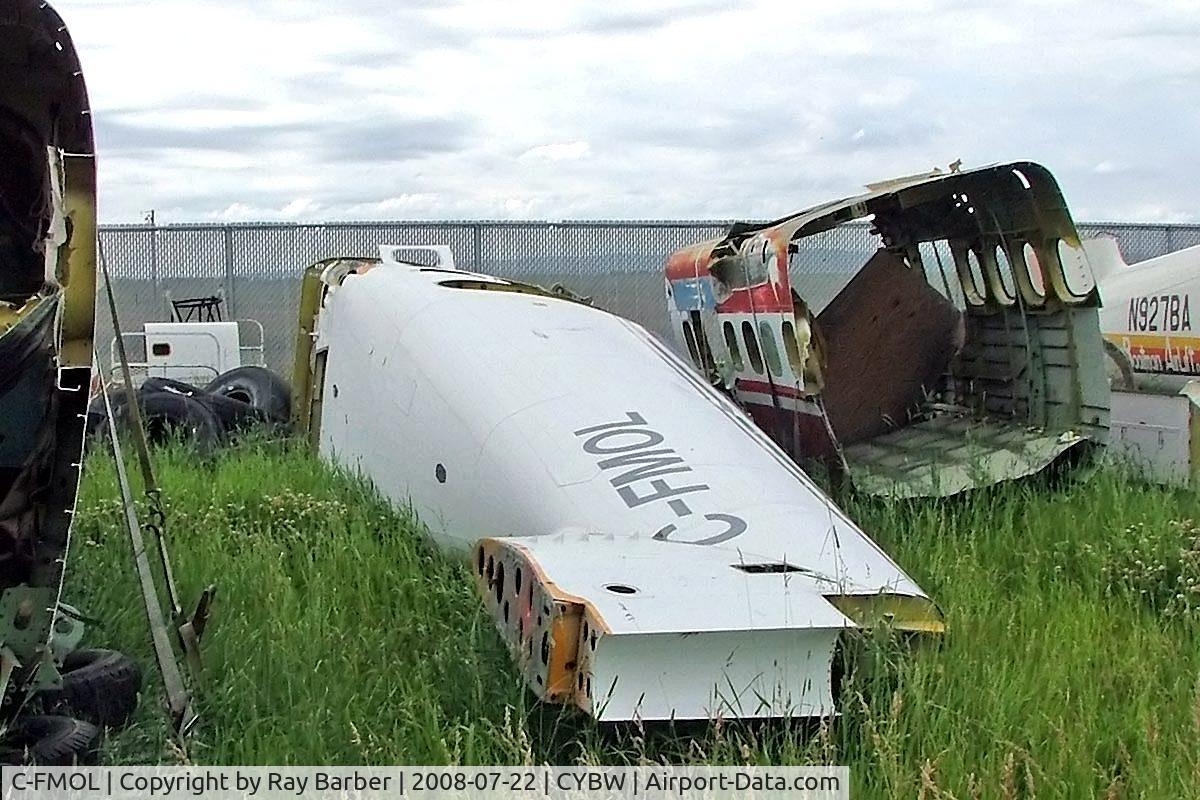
[752,350]
[940,271]
[1075,269]
[792,346]
[735,352]
[770,349]
[976,292]
[1036,278]
[1004,271]
[703,347]
[690,339]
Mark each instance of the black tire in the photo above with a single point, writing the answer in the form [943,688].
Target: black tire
[167,415]
[50,740]
[99,686]
[257,386]
[235,415]
[152,385]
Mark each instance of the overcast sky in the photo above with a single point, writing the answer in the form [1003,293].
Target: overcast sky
[418,109]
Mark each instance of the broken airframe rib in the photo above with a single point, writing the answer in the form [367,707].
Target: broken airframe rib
[645,550]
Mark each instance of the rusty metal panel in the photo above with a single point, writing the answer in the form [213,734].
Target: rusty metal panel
[890,338]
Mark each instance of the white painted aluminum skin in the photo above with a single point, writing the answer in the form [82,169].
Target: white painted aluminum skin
[1154,354]
[192,352]
[692,557]
[1147,313]
[1158,434]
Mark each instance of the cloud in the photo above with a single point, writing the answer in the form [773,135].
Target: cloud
[652,109]
[114,134]
[609,19]
[557,151]
[380,142]
[375,141]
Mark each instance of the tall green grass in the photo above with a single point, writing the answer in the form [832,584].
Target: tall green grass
[1070,668]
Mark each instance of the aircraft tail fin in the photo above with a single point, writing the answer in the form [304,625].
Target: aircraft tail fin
[1104,256]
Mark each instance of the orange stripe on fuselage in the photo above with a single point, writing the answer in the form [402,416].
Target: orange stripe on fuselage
[1166,353]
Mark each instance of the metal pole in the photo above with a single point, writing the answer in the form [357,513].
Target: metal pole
[477,245]
[230,298]
[158,295]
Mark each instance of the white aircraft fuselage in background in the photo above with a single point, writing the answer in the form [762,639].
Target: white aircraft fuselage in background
[1151,312]
[1152,342]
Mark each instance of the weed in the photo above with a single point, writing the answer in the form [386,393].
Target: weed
[341,637]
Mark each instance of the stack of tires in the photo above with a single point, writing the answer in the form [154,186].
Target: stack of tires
[99,690]
[236,401]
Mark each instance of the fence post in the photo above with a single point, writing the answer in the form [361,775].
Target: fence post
[230,298]
[477,245]
[159,298]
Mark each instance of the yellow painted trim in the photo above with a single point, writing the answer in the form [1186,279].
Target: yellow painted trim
[311,291]
[1163,353]
[1158,341]
[77,261]
[902,612]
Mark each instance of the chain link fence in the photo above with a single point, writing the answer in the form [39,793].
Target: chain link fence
[256,267]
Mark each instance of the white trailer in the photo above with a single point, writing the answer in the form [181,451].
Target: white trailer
[646,551]
[191,352]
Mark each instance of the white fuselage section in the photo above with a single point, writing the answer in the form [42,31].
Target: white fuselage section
[1152,312]
[506,414]
[497,413]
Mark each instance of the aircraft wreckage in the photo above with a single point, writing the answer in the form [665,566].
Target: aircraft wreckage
[47,292]
[966,351]
[646,551]
[55,697]
[647,548]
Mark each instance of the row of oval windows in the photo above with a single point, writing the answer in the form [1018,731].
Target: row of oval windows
[991,274]
[761,357]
